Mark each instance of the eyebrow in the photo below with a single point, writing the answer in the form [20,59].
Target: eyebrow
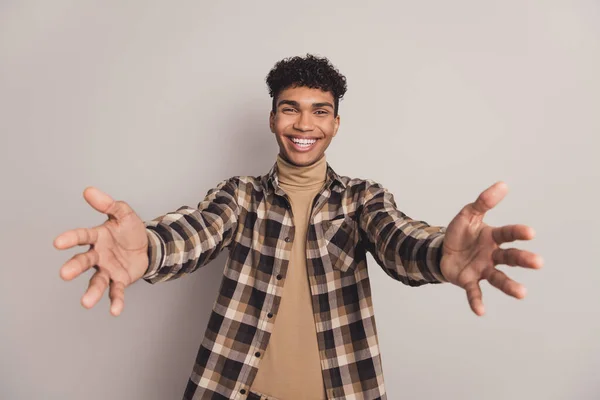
[297,105]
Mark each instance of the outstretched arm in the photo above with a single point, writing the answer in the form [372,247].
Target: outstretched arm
[182,241]
[408,250]
[124,249]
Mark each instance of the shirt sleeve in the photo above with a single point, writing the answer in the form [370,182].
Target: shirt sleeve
[408,250]
[182,241]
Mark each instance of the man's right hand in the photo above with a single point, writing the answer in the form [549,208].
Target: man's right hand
[118,251]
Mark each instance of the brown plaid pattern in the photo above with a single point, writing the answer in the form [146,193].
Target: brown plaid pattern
[251,217]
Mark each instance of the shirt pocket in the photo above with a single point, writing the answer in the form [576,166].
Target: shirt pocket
[341,238]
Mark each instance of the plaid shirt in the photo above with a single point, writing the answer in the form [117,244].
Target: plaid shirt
[251,216]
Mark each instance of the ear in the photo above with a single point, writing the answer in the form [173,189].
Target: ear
[272,121]
[336,124]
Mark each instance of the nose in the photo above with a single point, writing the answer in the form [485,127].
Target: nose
[304,122]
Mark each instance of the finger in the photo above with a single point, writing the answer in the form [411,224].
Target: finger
[76,237]
[102,202]
[474,296]
[517,257]
[489,198]
[98,284]
[499,280]
[117,297]
[78,264]
[511,233]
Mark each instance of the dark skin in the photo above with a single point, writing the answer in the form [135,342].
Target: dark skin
[304,113]
[117,249]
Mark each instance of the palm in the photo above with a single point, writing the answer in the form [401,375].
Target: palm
[122,245]
[472,250]
[118,251]
[468,240]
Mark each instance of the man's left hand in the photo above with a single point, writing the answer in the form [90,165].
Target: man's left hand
[472,250]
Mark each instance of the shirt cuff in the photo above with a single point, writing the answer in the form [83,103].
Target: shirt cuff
[435,257]
[156,252]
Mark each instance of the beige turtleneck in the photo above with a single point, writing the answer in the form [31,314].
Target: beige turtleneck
[291,366]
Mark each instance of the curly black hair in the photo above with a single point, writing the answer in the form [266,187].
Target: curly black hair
[310,71]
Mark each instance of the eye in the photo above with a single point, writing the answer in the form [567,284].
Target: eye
[289,110]
[321,112]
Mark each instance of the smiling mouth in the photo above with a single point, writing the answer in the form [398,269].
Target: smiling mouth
[302,144]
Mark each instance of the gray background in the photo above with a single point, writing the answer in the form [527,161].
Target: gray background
[155,103]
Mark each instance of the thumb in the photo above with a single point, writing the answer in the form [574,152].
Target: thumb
[489,198]
[105,204]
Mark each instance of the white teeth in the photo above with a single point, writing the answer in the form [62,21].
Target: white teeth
[304,142]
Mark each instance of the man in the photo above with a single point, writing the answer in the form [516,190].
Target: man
[294,317]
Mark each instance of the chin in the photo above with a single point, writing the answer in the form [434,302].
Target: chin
[303,160]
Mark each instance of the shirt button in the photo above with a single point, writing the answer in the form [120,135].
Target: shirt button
[270,315]
[279,277]
[287,239]
[257,354]
[243,391]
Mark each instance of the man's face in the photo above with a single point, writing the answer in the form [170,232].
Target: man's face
[303,124]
